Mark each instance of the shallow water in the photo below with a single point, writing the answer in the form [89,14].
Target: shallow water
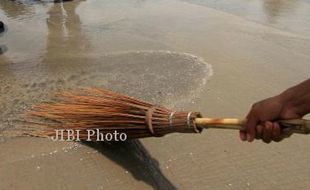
[165,52]
[149,75]
[288,15]
[49,50]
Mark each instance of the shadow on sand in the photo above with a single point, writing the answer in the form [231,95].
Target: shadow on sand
[132,156]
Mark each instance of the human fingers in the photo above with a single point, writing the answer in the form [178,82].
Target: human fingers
[242,135]
[250,125]
[276,132]
[259,132]
[267,132]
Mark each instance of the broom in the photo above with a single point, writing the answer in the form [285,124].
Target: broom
[107,112]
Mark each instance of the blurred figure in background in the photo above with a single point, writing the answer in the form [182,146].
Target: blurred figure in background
[3,29]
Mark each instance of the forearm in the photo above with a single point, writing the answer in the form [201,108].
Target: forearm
[298,98]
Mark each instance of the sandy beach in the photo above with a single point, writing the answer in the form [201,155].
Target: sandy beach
[216,57]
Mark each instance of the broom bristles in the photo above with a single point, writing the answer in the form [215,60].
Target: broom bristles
[107,111]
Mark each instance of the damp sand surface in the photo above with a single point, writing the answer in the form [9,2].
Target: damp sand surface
[217,57]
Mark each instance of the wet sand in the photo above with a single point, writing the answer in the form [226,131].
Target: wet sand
[216,57]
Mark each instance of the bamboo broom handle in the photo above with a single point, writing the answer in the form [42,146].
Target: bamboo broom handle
[296,125]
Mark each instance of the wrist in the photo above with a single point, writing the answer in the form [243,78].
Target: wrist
[293,101]
[287,97]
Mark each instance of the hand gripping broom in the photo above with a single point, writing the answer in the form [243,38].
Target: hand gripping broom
[108,111]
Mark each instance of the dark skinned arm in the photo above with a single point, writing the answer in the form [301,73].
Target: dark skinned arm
[261,123]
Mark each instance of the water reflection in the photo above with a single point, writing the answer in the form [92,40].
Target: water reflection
[65,37]
[277,8]
[51,28]
[15,9]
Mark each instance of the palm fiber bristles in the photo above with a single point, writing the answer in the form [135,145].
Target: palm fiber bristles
[107,111]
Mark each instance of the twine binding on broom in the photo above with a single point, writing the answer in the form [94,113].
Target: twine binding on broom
[170,119]
[148,118]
